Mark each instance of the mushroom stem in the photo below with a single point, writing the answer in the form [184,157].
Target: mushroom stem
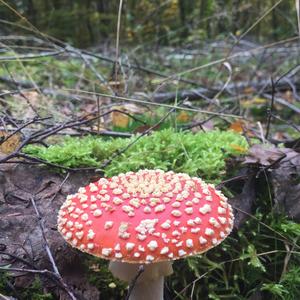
[150,285]
[150,290]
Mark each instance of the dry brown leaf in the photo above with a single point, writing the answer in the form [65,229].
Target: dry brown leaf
[248,90]
[33,97]
[237,126]
[264,154]
[11,144]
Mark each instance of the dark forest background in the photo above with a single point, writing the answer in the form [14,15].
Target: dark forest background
[86,23]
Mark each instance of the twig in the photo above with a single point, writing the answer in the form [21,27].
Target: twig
[22,94]
[261,132]
[102,132]
[50,256]
[286,122]
[132,284]
[235,178]
[46,272]
[200,123]
[118,40]
[32,269]
[41,161]
[262,86]
[34,120]
[18,258]
[287,258]
[119,152]
[41,135]
[270,166]
[229,69]
[284,238]
[90,66]
[80,132]
[98,112]
[283,102]
[9,93]
[60,187]
[30,56]
[28,86]
[144,102]
[270,110]
[138,67]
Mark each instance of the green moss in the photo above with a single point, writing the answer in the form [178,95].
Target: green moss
[34,291]
[201,154]
[249,261]
[45,71]
[99,276]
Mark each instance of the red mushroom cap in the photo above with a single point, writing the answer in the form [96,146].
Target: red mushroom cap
[146,217]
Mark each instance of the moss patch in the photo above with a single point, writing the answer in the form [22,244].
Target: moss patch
[200,154]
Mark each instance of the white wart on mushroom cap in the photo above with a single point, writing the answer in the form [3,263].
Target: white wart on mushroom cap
[147,216]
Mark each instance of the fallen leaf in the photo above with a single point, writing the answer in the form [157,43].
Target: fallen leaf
[258,100]
[248,90]
[237,126]
[264,154]
[119,119]
[248,103]
[11,144]
[244,202]
[183,116]
[238,148]
[144,128]
[286,185]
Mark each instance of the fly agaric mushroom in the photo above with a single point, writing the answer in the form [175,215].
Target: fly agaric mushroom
[149,218]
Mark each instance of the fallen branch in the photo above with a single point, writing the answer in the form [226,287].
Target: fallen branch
[30,56]
[46,91]
[148,131]
[264,86]
[283,102]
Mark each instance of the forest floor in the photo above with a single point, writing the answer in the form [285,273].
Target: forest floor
[225,111]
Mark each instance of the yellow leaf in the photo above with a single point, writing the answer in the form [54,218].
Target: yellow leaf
[258,100]
[183,116]
[238,148]
[119,119]
[252,102]
[11,144]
